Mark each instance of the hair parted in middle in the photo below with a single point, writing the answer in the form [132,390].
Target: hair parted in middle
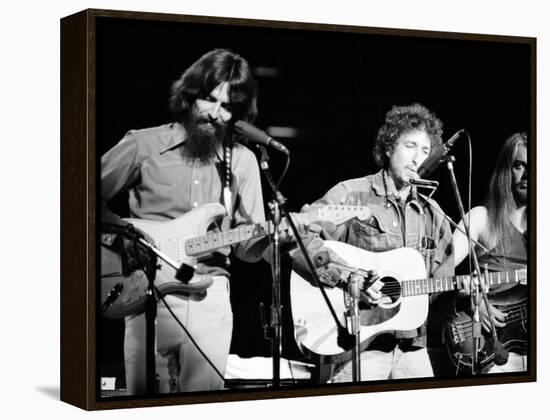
[210,70]
[400,120]
[500,201]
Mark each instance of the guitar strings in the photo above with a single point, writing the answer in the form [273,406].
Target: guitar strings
[510,314]
[467,325]
[405,286]
[410,284]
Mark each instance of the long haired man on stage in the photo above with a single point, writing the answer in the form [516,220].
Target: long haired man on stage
[500,225]
[170,170]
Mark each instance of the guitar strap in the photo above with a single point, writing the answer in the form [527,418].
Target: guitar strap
[227,195]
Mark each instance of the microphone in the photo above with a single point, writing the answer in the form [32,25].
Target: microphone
[433,161]
[501,354]
[255,135]
[185,273]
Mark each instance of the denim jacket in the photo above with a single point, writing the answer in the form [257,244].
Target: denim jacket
[394,224]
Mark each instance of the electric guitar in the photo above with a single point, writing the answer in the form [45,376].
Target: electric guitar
[404,305]
[184,240]
[458,335]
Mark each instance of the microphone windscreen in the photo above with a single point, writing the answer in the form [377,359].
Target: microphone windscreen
[501,354]
[185,273]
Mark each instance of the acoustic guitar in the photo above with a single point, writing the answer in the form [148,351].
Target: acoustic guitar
[404,305]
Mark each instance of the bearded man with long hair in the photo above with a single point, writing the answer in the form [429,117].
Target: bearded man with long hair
[170,170]
[500,226]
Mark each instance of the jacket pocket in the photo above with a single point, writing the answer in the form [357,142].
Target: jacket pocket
[370,234]
[372,226]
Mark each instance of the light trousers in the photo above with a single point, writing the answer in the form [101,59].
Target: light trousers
[516,363]
[179,365]
[393,364]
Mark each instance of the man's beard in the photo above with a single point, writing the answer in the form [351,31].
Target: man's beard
[520,194]
[203,138]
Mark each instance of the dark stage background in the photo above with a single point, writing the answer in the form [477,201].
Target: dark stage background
[334,89]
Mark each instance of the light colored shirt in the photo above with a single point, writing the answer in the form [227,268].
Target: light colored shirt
[163,184]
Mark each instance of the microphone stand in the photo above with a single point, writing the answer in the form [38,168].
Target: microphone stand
[273,330]
[355,317]
[475,295]
[150,266]
[150,324]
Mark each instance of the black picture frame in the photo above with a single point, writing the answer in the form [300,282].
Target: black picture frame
[94,117]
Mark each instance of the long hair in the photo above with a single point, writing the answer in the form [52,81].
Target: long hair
[500,202]
[402,119]
[215,67]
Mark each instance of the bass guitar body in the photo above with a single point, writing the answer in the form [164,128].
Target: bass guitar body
[459,338]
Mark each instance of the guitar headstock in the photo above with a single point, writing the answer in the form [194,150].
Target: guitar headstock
[339,214]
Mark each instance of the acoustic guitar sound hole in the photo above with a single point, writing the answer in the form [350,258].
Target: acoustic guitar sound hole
[391,291]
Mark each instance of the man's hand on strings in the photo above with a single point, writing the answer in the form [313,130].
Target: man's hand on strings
[287,236]
[371,289]
[498,316]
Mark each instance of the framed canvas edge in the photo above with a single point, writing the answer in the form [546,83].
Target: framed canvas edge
[74,327]
[78,332]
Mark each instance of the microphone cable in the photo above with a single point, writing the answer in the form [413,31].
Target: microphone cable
[189,335]
[161,298]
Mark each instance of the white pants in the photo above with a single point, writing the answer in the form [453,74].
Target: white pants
[394,364]
[179,365]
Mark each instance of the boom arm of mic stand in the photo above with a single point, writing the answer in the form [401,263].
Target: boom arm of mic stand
[456,226]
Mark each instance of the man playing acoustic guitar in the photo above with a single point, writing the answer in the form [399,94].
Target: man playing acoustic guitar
[400,218]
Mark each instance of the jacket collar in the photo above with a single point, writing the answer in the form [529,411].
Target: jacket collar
[378,183]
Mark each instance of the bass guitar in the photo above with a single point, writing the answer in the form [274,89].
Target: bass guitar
[458,335]
[184,240]
[404,305]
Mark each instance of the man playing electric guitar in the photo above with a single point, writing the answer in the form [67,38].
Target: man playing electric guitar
[170,170]
[501,227]
[400,218]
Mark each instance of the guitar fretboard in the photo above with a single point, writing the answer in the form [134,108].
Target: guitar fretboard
[445,284]
[214,240]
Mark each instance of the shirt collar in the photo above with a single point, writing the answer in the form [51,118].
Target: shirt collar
[391,193]
[177,137]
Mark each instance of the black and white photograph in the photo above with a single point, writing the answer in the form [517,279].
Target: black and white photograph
[312,209]
[274,210]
